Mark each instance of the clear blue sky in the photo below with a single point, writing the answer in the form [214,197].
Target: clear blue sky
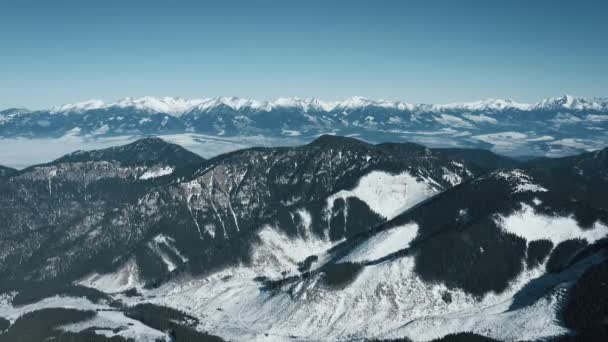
[54,52]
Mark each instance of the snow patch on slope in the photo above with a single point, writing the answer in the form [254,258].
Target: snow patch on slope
[125,278]
[106,317]
[386,194]
[454,121]
[531,226]
[163,171]
[10,312]
[480,118]
[531,323]
[520,181]
[276,252]
[384,243]
[115,323]
[170,243]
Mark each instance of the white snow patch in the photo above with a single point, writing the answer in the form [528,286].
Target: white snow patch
[596,118]
[78,107]
[163,256]
[451,177]
[386,194]
[520,181]
[531,226]
[306,223]
[8,311]
[530,323]
[291,133]
[169,242]
[541,138]
[574,143]
[101,130]
[125,278]
[164,171]
[384,243]
[454,121]
[277,252]
[480,118]
[502,139]
[106,322]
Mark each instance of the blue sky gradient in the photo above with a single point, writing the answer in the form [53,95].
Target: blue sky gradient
[54,52]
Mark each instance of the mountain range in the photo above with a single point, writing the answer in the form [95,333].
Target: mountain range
[335,240]
[552,127]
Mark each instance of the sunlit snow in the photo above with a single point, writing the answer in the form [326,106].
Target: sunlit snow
[386,194]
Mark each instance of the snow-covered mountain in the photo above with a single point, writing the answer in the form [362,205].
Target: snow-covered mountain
[551,127]
[335,240]
[178,106]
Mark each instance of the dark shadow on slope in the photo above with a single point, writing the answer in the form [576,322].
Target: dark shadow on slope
[538,287]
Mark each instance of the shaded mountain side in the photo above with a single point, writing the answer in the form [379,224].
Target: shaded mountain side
[581,178]
[6,171]
[586,309]
[151,150]
[483,159]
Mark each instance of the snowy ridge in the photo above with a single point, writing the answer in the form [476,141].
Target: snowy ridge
[168,105]
[488,104]
[178,106]
[78,107]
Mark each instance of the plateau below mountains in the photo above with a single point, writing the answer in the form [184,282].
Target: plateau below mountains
[335,240]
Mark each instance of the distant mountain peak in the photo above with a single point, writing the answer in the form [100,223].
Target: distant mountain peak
[146,150]
[78,107]
[6,171]
[487,104]
[570,102]
[336,140]
[168,105]
[10,111]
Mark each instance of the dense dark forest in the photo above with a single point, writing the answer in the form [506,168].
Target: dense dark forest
[586,310]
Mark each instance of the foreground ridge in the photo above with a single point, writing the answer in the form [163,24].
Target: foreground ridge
[338,239]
